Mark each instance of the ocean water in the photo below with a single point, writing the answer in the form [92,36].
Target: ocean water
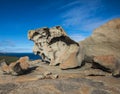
[30,55]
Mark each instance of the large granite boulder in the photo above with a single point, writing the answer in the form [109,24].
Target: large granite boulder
[104,46]
[55,47]
[105,40]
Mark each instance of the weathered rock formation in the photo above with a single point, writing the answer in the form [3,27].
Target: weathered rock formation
[104,44]
[15,68]
[105,40]
[101,49]
[55,47]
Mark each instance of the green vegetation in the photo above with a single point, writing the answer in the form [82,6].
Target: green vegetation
[9,59]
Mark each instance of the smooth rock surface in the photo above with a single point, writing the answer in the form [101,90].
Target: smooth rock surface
[75,81]
[105,40]
[104,44]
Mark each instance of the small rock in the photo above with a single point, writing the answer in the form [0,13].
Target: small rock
[24,62]
[54,76]
[41,77]
[16,68]
[47,73]
[14,74]
[4,67]
[24,65]
[23,59]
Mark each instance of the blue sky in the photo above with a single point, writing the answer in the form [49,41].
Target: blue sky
[78,17]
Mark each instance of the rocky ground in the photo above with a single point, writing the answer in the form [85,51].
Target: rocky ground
[47,79]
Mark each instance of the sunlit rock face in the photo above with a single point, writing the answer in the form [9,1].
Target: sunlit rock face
[55,47]
[104,45]
[18,67]
[104,40]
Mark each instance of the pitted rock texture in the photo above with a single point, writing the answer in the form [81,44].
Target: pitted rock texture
[55,47]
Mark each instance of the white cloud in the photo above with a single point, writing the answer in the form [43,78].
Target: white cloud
[92,24]
[70,4]
[77,37]
[83,15]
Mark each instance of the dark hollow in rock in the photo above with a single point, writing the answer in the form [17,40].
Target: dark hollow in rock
[65,39]
[98,66]
[21,71]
